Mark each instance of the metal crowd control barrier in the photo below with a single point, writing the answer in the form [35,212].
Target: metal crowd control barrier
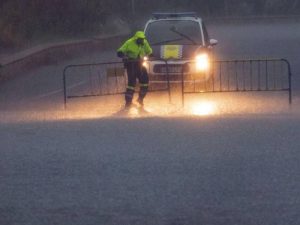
[101,79]
[252,75]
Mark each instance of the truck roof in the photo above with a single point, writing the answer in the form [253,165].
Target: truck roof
[166,15]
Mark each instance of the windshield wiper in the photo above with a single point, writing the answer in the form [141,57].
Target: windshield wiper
[166,41]
[173,29]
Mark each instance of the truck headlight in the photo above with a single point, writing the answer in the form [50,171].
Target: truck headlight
[145,61]
[202,62]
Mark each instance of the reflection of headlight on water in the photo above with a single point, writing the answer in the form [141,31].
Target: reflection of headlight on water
[202,62]
[203,109]
[133,112]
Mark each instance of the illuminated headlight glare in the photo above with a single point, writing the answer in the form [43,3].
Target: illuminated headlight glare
[145,61]
[145,64]
[202,62]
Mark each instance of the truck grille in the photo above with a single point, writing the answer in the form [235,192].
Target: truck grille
[172,68]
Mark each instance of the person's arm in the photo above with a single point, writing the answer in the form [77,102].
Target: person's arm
[121,52]
[148,49]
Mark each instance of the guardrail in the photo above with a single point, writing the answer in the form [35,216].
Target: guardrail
[103,79]
[253,75]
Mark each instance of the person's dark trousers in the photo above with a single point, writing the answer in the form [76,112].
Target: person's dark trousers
[136,71]
[144,83]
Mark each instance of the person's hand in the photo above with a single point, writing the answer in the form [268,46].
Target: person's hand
[151,56]
[120,54]
[125,59]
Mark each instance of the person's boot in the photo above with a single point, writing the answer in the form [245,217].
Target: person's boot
[128,98]
[140,101]
[128,105]
[142,94]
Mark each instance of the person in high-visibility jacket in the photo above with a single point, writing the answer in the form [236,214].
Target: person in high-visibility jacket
[133,52]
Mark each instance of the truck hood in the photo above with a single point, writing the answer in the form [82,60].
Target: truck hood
[175,51]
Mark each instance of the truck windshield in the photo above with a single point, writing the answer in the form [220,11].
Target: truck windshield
[161,32]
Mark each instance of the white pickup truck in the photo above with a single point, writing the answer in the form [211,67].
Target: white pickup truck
[178,38]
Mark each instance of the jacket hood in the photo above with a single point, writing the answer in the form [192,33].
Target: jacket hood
[139,34]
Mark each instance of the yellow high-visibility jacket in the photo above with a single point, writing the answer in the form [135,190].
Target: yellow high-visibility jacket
[134,51]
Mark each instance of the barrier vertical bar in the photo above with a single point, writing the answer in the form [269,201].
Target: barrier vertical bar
[281,80]
[213,76]
[107,85]
[290,79]
[243,76]
[267,75]
[99,82]
[228,75]
[236,76]
[182,84]
[220,75]
[91,80]
[290,83]
[274,75]
[65,88]
[251,76]
[259,75]
[168,80]
[116,78]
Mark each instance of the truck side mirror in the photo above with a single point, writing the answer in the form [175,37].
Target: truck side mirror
[213,42]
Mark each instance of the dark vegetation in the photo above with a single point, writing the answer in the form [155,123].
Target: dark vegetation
[26,20]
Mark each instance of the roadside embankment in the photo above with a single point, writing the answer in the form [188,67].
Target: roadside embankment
[22,62]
